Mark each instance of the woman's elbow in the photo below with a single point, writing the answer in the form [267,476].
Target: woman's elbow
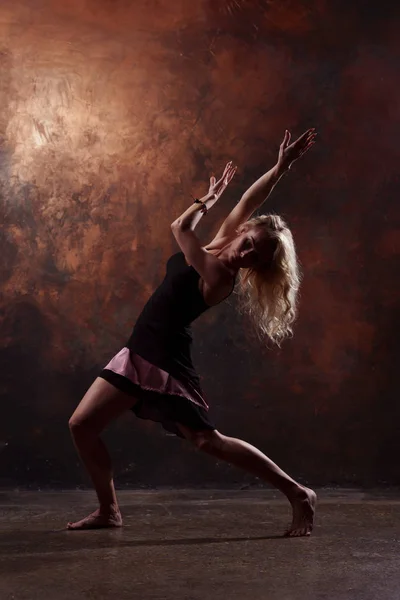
[178,225]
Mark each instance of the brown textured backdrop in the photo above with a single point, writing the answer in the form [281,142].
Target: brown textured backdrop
[111,114]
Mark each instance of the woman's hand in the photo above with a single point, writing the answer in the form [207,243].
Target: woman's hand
[217,188]
[288,154]
[190,218]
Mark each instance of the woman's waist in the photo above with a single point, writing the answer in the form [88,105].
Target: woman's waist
[162,334]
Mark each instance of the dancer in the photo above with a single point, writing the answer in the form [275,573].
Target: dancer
[153,374]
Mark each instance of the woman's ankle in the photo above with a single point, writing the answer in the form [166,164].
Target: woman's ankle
[108,508]
[293,491]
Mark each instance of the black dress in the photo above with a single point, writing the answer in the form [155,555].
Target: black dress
[156,364]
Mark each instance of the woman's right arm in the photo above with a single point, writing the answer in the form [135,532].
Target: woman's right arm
[259,191]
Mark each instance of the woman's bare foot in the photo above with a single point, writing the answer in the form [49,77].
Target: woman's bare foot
[303,505]
[98,520]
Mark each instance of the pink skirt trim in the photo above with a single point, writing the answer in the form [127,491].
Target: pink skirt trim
[149,377]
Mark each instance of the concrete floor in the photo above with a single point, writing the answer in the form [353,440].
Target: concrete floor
[202,544]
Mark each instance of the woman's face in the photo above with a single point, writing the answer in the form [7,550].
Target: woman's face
[249,248]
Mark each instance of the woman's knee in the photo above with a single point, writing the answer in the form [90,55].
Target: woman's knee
[102,404]
[79,426]
[85,423]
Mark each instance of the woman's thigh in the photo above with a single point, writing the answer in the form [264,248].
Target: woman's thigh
[101,404]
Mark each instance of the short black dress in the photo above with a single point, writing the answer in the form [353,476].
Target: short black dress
[155,366]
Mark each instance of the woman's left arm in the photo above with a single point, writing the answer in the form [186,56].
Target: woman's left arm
[210,268]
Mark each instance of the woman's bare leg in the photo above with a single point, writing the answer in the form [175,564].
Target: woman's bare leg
[244,455]
[101,404]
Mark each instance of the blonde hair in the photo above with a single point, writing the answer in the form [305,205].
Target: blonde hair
[268,292]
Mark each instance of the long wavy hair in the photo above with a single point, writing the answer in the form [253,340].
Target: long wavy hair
[268,292]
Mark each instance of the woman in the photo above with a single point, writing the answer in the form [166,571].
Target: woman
[154,375]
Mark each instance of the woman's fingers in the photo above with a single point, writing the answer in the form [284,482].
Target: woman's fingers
[228,166]
[231,174]
[286,139]
[303,142]
[307,147]
[291,153]
[307,135]
[226,176]
[307,143]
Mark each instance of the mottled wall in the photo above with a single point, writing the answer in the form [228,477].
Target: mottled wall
[112,113]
